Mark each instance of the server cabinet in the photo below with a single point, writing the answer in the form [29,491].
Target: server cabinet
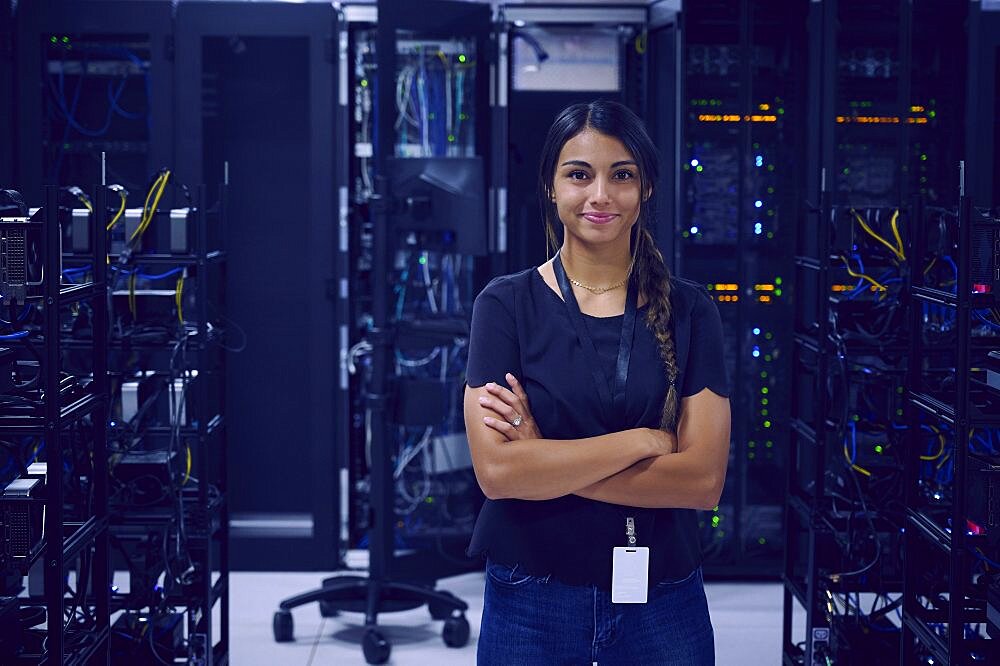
[257,84]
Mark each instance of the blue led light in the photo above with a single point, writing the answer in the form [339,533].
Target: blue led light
[758,203]
[694,163]
[758,228]
[759,161]
[756,331]
[756,353]
[694,230]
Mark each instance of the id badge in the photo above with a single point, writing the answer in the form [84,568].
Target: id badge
[629,575]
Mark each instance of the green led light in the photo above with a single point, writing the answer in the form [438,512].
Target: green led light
[699,168]
[364,83]
[777,280]
[763,374]
[461,57]
[752,445]
[770,213]
[716,508]
[762,541]
[768,335]
[429,500]
[751,455]
[777,292]
[846,170]
[715,521]
[451,138]
[770,234]
[767,424]
[687,167]
[65,40]
[899,412]
[878,448]
[53,39]
[769,444]
[923,157]
[763,412]
[855,418]
[463,116]
[756,145]
[767,358]
[781,111]
[763,401]
[423,260]
[770,167]
[770,190]
[932,113]
[685,234]
[764,390]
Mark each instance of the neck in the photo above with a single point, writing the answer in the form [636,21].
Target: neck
[596,266]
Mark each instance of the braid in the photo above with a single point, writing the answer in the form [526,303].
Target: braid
[655,283]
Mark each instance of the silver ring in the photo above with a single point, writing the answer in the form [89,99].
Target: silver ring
[517,421]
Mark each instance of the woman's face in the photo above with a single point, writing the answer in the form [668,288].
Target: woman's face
[596,188]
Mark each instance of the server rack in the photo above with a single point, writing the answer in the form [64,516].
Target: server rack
[92,78]
[742,96]
[948,526]
[880,100]
[64,405]
[285,183]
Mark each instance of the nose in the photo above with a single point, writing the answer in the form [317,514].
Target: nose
[599,192]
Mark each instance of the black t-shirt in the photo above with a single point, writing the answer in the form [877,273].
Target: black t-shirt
[520,325]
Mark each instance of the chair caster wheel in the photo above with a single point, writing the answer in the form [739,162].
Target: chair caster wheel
[440,611]
[284,627]
[456,631]
[326,609]
[375,646]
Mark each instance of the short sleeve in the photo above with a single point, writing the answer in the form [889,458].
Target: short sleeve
[706,361]
[493,343]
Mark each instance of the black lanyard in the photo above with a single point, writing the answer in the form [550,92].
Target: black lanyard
[616,401]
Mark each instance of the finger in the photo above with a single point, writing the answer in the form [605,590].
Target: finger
[517,388]
[505,395]
[504,428]
[497,406]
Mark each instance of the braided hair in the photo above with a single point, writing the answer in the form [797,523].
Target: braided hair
[648,270]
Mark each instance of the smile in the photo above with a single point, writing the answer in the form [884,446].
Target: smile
[600,218]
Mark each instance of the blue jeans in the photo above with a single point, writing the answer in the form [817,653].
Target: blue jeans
[538,621]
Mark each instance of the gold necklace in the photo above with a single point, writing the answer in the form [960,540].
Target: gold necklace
[603,290]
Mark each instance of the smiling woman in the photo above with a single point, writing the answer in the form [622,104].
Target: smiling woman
[598,420]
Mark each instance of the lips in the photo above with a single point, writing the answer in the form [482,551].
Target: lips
[600,218]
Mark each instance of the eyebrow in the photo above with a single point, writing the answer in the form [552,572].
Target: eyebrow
[581,163]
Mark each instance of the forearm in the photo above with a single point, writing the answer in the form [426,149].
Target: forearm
[675,480]
[540,469]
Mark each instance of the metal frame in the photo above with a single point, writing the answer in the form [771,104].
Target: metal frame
[61,547]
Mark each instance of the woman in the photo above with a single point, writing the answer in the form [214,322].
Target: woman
[598,419]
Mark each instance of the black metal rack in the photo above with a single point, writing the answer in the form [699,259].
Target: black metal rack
[205,512]
[63,542]
[939,631]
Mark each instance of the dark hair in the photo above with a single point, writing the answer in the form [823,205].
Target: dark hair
[649,270]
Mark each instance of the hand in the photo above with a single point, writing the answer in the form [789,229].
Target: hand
[661,442]
[510,405]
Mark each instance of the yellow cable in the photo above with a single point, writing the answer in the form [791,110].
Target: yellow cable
[145,205]
[871,232]
[940,450]
[895,232]
[86,203]
[856,468]
[121,210]
[934,259]
[156,202]
[178,297]
[148,211]
[187,472]
[878,285]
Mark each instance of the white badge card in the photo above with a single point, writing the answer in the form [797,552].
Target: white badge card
[629,575]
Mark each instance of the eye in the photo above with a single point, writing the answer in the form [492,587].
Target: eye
[577,175]
[624,174]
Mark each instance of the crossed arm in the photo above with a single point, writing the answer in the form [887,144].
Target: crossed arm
[640,467]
